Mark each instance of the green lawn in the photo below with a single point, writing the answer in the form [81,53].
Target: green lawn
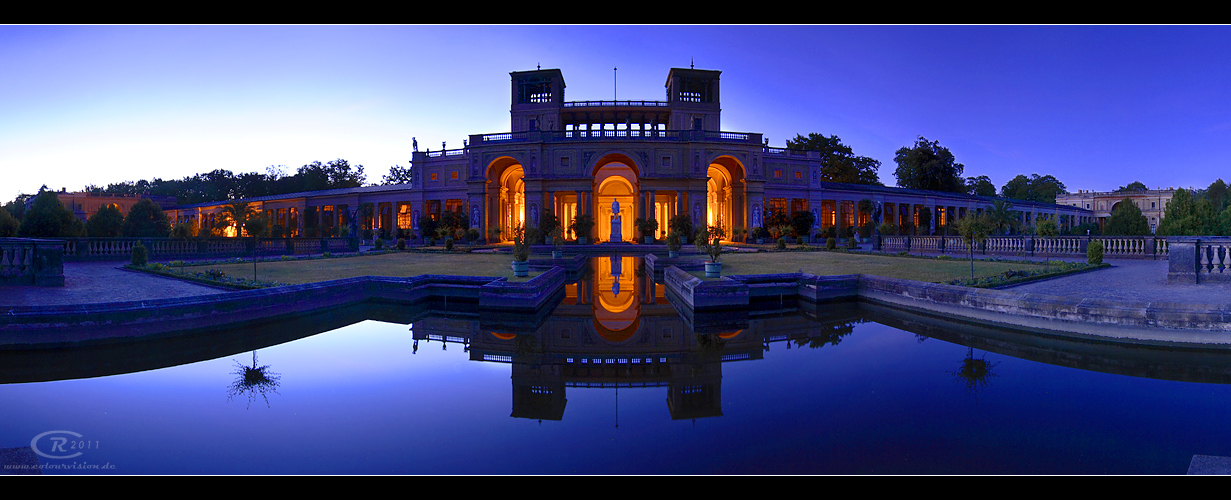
[391,264]
[830,263]
[459,264]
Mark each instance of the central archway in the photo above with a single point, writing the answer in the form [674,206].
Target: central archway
[615,186]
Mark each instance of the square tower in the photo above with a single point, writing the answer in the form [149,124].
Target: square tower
[693,96]
[537,98]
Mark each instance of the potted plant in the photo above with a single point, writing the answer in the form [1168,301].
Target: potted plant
[646,227]
[759,234]
[681,224]
[521,252]
[709,242]
[557,241]
[673,245]
[581,226]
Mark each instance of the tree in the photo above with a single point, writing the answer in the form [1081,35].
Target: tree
[1126,220]
[1000,215]
[397,175]
[974,230]
[47,218]
[980,186]
[929,166]
[1217,194]
[839,163]
[145,219]
[1133,187]
[1186,216]
[8,224]
[237,213]
[107,222]
[1034,188]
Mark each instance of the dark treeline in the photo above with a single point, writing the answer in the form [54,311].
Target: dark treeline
[220,185]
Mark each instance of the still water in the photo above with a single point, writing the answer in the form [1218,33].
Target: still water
[615,381]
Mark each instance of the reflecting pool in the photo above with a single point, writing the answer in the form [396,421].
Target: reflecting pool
[615,381]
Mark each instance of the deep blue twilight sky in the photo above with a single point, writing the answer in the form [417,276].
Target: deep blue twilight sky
[1096,106]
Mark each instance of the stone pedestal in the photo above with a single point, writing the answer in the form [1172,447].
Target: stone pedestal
[616,236]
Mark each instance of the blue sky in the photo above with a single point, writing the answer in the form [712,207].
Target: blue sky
[1095,106]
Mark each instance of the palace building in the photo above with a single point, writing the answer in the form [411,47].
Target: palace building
[619,161]
[1152,202]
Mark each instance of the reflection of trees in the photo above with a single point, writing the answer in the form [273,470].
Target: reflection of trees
[253,380]
[830,334]
[974,373]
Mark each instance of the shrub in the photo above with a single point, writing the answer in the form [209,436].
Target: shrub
[851,244]
[1094,252]
[448,243]
[781,243]
[831,243]
[401,244]
[140,255]
[380,244]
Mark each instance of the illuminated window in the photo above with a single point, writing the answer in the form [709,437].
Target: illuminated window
[799,175]
[433,176]
[453,175]
[777,173]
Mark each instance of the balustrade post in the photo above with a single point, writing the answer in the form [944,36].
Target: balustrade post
[1183,260]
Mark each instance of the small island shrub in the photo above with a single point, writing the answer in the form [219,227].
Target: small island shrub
[448,243]
[831,243]
[781,243]
[401,244]
[380,244]
[1094,252]
[140,255]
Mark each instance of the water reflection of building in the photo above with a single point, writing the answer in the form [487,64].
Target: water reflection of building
[614,328]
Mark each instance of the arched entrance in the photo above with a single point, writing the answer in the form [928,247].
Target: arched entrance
[615,182]
[724,194]
[506,195]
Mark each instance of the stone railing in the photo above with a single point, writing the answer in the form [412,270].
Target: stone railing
[96,249]
[1122,247]
[27,261]
[604,134]
[1199,259]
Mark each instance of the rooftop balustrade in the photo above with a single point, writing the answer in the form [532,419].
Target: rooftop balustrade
[607,134]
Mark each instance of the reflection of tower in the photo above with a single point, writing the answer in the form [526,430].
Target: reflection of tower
[538,392]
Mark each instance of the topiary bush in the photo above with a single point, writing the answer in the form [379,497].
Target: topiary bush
[781,243]
[1094,252]
[448,243]
[140,255]
[831,243]
[380,243]
[401,244]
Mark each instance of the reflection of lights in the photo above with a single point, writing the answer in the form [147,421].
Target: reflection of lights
[504,336]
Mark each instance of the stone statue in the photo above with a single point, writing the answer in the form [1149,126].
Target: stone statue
[414,143]
[615,210]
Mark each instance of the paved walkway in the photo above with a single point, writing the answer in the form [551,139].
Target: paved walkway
[1130,280]
[93,282]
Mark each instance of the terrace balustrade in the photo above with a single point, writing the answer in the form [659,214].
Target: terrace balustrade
[98,249]
[1134,247]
